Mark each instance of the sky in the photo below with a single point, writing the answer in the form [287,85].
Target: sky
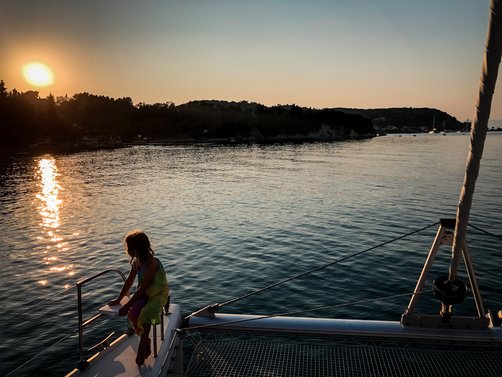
[315,53]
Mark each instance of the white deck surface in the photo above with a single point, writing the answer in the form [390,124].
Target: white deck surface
[120,358]
[113,309]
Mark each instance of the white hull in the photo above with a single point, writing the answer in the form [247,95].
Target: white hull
[350,327]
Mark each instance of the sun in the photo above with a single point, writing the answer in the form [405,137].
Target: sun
[38,74]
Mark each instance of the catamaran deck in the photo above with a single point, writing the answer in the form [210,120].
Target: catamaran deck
[341,356]
[119,359]
[245,345]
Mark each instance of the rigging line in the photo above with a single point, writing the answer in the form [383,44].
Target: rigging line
[302,311]
[324,266]
[34,302]
[485,232]
[48,348]
[42,352]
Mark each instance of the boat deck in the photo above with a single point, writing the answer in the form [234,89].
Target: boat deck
[119,359]
[342,357]
[245,345]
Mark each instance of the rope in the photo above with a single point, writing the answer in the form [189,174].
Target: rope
[499,237]
[107,319]
[300,311]
[41,353]
[323,266]
[34,302]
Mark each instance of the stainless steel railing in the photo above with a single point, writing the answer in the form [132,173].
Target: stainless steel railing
[81,324]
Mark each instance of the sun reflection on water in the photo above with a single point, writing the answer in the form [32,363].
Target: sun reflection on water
[49,190]
[49,209]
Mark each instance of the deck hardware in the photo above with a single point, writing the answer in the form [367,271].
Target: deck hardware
[453,294]
[449,292]
[105,343]
[207,311]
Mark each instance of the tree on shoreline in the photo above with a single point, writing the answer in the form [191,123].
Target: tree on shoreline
[27,119]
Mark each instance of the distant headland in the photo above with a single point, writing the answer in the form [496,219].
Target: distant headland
[88,121]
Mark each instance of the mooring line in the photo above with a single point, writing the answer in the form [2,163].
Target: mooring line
[49,347]
[323,266]
[499,237]
[42,352]
[31,304]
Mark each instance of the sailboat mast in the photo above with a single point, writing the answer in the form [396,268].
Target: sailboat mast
[478,130]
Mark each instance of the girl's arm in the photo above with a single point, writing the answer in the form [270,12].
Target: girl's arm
[150,269]
[126,287]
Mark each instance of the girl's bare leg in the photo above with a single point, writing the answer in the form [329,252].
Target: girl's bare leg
[148,351]
[144,349]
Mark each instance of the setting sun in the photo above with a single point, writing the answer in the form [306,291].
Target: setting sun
[38,74]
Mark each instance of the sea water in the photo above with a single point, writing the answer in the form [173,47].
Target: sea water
[226,220]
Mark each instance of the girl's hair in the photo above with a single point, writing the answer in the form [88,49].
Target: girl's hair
[138,241]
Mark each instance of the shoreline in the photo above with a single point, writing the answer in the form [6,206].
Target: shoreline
[48,147]
[66,148]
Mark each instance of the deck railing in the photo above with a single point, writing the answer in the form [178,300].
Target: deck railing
[81,324]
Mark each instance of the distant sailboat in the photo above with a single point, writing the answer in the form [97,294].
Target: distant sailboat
[433,130]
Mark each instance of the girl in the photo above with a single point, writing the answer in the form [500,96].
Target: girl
[144,308]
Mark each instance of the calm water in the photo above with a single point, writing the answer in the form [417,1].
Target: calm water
[229,219]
